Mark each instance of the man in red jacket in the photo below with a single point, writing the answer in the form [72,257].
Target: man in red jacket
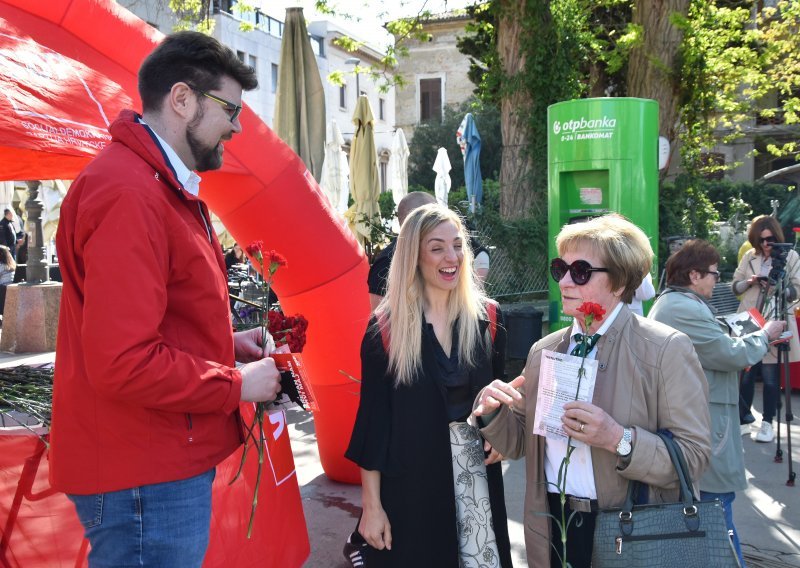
[146,391]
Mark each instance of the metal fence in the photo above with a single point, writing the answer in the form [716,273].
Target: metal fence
[505,277]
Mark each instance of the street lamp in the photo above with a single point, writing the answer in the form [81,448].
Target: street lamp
[355,61]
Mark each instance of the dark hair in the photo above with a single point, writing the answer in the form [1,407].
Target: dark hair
[193,58]
[693,255]
[759,225]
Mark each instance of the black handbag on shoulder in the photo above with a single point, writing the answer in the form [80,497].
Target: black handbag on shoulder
[689,534]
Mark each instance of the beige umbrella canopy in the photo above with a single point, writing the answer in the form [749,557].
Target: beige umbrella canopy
[300,100]
[364,184]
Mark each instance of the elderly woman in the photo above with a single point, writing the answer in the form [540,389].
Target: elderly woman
[648,379]
[428,498]
[691,275]
[751,282]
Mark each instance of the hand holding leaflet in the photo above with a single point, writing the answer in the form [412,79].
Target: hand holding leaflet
[558,383]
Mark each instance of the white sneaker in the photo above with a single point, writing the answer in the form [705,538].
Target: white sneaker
[765,434]
[745,428]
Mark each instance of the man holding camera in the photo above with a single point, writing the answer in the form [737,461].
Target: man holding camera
[770,266]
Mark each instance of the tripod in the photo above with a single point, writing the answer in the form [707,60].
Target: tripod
[777,278]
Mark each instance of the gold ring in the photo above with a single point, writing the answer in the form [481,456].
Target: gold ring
[583,425]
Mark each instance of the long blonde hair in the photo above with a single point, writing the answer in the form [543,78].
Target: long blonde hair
[402,307]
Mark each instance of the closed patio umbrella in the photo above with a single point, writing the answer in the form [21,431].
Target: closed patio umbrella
[364,184]
[335,171]
[300,99]
[398,166]
[442,184]
[470,142]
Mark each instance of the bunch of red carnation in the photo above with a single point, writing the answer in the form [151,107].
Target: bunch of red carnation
[289,330]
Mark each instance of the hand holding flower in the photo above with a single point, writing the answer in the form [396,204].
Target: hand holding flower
[247,345]
[261,381]
[592,425]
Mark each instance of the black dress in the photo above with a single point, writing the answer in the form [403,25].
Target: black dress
[403,433]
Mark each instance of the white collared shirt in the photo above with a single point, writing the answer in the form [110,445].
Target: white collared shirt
[580,475]
[189,179]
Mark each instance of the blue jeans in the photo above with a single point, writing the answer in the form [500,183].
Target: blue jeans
[769,374]
[727,505]
[160,525]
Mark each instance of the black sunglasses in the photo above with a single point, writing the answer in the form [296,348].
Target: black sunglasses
[770,240]
[580,270]
[234,110]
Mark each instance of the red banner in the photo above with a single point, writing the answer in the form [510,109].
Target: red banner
[38,526]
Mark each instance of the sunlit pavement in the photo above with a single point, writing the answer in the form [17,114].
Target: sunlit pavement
[767,514]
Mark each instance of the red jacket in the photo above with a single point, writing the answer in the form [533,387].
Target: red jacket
[144,390]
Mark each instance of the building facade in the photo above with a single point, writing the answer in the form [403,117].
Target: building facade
[256,38]
[435,72]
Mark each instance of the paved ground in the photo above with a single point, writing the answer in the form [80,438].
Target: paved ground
[767,514]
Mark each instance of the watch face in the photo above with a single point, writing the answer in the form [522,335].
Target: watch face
[624,445]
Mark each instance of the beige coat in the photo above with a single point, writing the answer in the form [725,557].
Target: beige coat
[750,265]
[649,378]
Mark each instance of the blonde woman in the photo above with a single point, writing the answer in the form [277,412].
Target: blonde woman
[427,353]
[7,266]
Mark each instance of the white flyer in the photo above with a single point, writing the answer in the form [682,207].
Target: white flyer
[558,385]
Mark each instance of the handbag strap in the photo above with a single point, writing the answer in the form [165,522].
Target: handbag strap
[684,478]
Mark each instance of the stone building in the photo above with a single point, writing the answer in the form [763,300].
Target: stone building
[435,72]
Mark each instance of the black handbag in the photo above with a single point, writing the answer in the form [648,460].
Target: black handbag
[689,534]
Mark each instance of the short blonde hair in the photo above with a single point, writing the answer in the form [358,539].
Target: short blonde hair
[402,307]
[623,248]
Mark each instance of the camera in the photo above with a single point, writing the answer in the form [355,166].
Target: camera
[778,254]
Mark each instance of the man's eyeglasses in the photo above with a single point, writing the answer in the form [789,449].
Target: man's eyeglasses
[234,109]
[580,270]
[769,240]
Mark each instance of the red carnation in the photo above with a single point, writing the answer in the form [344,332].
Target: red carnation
[275,259]
[596,311]
[591,312]
[254,249]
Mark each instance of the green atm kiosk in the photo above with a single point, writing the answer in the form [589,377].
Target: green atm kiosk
[602,157]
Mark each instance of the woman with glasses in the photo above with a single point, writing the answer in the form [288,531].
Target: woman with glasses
[691,275]
[648,378]
[754,282]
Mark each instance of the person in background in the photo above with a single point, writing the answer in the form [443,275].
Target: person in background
[648,379]
[146,388]
[692,273]
[429,498]
[7,266]
[751,283]
[644,292]
[379,271]
[234,256]
[8,232]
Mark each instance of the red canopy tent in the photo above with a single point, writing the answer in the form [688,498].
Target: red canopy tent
[66,69]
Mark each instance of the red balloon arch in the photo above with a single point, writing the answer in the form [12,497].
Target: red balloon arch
[68,68]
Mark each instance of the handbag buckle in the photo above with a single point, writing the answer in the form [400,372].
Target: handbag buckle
[625,516]
[690,511]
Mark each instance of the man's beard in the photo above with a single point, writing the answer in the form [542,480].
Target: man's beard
[205,158]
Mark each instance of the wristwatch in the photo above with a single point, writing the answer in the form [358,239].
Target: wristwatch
[624,445]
